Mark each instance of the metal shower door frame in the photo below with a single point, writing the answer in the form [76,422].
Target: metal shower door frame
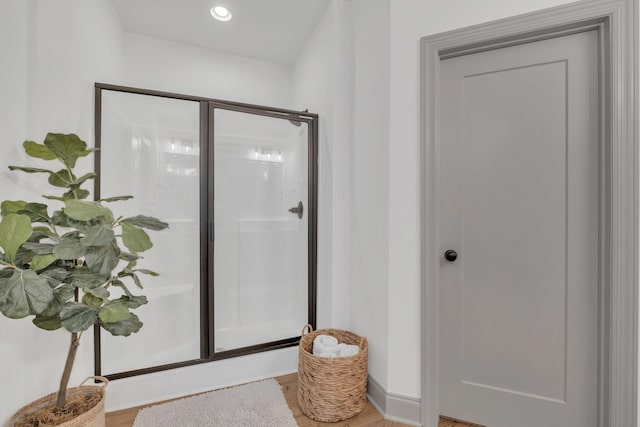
[206,140]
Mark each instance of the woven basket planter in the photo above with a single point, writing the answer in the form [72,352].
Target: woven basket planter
[94,417]
[332,389]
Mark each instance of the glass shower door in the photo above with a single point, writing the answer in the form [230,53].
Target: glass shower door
[260,221]
[237,185]
[150,150]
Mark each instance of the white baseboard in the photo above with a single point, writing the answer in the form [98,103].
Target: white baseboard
[394,407]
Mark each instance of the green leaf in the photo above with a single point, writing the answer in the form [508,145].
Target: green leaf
[30,170]
[39,248]
[69,248]
[40,262]
[61,199]
[115,282]
[61,295]
[120,283]
[126,256]
[124,327]
[40,233]
[83,178]
[64,292]
[98,235]
[39,151]
[149,272]
[134,238]
[15,229]
[24,293]
[59,218]
[37,212]
[55,276]
[78,193]
[147,222]
[85,278]
[23,257]
[61,178]
[67,148]
[114,312]
[48,323]
[9,206]
[99,292]
[115,199]
[137,281]
[88,151]
[82,210]
[132,301]
[92,300]
[74,193]
[77,317]
[102,259]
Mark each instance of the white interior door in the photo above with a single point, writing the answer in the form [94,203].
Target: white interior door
[519,179]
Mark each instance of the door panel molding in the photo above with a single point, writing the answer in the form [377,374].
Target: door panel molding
[617,25]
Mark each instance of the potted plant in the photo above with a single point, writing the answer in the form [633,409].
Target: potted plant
[62,266]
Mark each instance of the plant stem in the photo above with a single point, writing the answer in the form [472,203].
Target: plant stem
[53,228]
[75,195]
[64,382]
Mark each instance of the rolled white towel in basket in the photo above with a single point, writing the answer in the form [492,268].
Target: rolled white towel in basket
[325,344]
[326,340]
[320,349]
[349,350]
[328,346]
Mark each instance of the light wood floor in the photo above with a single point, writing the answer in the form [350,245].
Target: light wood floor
[369,417]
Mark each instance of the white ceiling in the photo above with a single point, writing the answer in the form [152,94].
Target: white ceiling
[273,30]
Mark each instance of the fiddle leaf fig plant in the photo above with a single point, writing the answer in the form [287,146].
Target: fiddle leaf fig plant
[61,265]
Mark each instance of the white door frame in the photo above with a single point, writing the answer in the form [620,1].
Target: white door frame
[617,24]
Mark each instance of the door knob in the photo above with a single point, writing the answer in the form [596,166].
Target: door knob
[297,210]
[451,255]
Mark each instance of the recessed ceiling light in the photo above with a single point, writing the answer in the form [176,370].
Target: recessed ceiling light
[221,13]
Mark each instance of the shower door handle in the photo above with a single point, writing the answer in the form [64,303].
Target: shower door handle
[297,210]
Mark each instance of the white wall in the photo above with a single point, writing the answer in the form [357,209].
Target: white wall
[411,20]
[51,52]
[314,89]
[20,334]
[14,44]
[72,44]
[370,169]
[343,74]
[156,64]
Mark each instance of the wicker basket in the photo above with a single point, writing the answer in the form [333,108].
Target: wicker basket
[332,389]
[94,417]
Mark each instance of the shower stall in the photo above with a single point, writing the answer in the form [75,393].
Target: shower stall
[237,185]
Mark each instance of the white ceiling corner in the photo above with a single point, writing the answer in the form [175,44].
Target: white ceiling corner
[271,30]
